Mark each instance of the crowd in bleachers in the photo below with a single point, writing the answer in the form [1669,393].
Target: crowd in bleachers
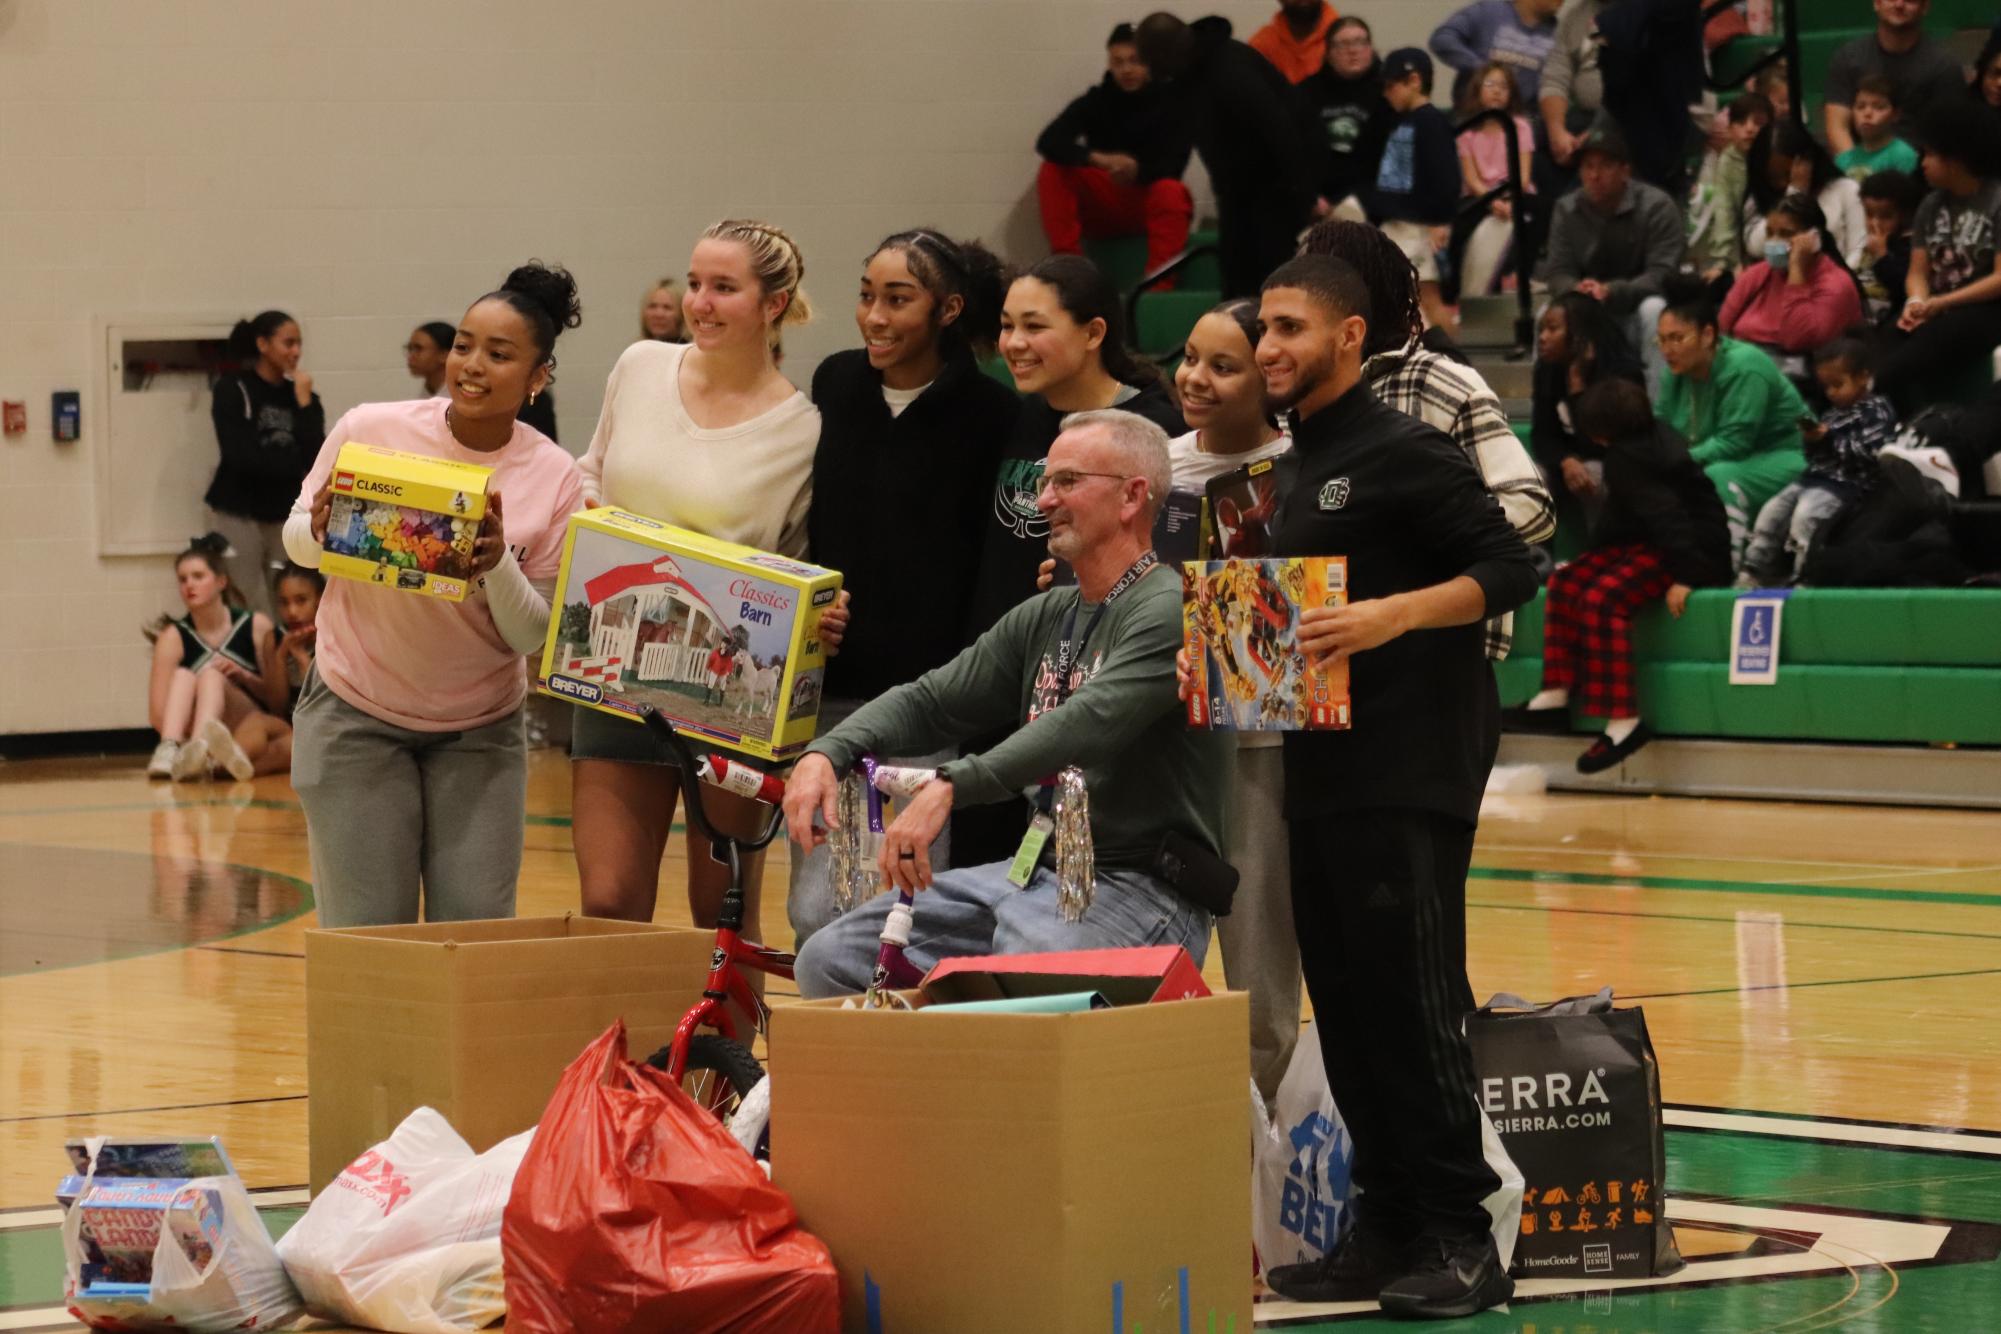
[1807,320]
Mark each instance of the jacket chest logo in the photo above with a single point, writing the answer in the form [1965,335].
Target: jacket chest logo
[1334,494]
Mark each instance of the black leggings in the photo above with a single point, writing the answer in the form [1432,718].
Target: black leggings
[1379,901]
[1931,362]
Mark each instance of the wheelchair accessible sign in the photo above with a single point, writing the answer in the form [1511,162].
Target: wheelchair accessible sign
[1754,637]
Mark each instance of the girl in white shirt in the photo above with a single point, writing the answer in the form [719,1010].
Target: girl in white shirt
[710,437]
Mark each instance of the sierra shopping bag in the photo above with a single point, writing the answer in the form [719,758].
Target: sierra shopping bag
[1302,1157]
[636,1209]
[1575,1092]
[407,1237]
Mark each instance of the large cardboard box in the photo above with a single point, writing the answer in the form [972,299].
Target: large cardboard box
[723,640]
[1008,1172]
[404,520]
[476,1019]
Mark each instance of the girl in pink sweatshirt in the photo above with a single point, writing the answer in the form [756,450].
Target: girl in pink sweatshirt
[1801,296]
[408,753]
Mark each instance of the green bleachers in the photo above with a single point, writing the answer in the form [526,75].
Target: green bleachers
[1862,665]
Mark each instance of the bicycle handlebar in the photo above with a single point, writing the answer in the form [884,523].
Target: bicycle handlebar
[691,786]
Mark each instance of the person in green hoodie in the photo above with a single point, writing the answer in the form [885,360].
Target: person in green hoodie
[1739,413]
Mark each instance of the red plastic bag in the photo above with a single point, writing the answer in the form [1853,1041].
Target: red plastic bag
[635,1209]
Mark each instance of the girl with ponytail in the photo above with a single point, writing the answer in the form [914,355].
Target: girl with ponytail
[268,421]
[1063,337]
[214,669]
[408,755]
[910,434]
[708,436]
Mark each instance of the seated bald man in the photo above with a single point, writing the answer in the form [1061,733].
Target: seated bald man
[1087,675]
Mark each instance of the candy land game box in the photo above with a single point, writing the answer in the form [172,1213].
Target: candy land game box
[121,1228]
[723,640]
[1240,622]
[404,521]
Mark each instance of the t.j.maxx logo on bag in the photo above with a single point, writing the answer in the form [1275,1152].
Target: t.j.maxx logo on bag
[375,1178]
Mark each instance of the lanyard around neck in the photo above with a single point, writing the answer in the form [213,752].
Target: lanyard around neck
[1068,657]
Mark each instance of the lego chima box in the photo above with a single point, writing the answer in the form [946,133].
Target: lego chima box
[1240,626]
[722,640]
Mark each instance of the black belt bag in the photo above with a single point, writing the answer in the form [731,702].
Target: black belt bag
[1195,873]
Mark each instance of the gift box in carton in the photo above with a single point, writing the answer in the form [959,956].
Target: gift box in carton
[404,520]
[1064,1171]
[1240,624]
[723,640]
[476,1019]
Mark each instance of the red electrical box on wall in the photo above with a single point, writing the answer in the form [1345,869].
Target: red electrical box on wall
[14,417]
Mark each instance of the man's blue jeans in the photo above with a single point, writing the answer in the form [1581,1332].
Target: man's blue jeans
[977,910]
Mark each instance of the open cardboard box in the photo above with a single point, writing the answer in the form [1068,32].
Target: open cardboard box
[476,1019]
[1007,1172]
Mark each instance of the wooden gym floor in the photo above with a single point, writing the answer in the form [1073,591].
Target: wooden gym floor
[1822,984]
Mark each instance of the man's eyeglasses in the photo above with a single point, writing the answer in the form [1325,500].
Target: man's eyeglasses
[1067,480]
[1677,339]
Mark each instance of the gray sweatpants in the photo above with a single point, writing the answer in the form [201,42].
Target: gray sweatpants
[1260,946]
[259,545]
[395,817]
[809,900]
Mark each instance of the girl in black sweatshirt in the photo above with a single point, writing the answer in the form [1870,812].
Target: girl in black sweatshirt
[910,435]
[269,425]
[1661,535]
[1062,333]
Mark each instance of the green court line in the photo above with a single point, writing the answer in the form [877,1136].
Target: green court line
[306,905]
[1803,986]
[1776,887]
[1791,925]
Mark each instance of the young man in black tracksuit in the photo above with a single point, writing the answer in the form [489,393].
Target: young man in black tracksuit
[1382,816]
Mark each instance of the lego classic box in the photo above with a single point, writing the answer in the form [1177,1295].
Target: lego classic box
[723,640]
[404,520]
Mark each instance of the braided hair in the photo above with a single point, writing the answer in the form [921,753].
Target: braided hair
[1395,317]
[946,268]
[776,260]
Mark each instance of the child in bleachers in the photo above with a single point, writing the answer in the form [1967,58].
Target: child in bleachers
[1890,200]
[1715,238]
[1483,163]
[1840,465]
[1877,147]
[1661,535]
[1417,186]
[1952,301]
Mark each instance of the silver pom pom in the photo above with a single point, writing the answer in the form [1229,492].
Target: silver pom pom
[1076,862]
[901,783]
[854,873]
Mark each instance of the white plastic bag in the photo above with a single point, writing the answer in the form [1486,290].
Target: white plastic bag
[1299,1178]
[1300,1184]
[407,1238]
[243,1286]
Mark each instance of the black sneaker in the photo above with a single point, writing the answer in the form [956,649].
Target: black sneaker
[1605,752]
[1449,1277]
[1354,1271]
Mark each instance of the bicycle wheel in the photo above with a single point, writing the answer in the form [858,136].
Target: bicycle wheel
[720,1073]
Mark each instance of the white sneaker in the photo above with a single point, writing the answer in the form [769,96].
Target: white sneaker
[192,761]
[224,753]
[162,763]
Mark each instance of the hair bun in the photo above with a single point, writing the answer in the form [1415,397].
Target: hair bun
[213,544]
[550,287]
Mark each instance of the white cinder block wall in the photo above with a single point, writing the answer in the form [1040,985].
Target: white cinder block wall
[371,164]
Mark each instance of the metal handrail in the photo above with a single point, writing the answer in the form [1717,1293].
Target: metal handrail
[1514,189]
[1165,269]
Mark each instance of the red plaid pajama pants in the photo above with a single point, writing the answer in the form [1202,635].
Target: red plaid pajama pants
[1587,626]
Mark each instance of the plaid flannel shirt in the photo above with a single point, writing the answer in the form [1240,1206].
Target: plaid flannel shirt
[1452,397]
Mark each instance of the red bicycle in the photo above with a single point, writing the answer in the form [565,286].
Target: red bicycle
[710,1056]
